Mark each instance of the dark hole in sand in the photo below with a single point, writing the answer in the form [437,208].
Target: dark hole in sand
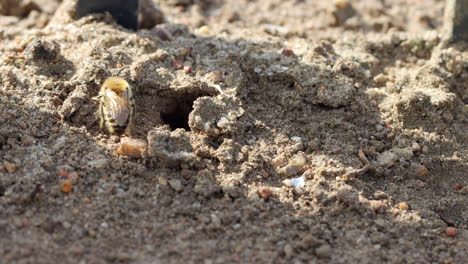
[177,116]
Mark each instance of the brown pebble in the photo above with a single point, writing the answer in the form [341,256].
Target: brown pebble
[131,147]
[265,193]
[216,76]
[422,172]
[451,231]
[62,173]
[287,52]
[9,166]
[403,206]
[66,186]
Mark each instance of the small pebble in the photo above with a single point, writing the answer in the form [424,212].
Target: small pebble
[187,69]
[62,173]
[204,30]
[132,148]
[451,231]
[340,3]
[287,183]
[176,185]
[324,251]
[186,173]
[216,76]
[287,52]
[74,177]
[66,186]
[380,79]
[99,163]
[163,180]
[288,251]
[27,140]
[403,206]
[422,172]
[416,146]
[265,193]
[9,166]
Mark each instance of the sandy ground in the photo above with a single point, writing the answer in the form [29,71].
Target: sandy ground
[362,100]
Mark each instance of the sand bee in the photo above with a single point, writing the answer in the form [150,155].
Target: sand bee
[116,105]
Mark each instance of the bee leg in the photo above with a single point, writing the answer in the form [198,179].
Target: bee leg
[101,116]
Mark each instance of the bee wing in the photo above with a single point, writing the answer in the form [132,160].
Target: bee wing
[118,109]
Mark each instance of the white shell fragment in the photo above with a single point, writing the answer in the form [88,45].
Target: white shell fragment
[298,182]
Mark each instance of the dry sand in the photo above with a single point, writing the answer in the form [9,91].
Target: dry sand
[361,99]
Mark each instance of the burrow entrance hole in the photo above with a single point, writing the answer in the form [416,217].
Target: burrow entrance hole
[179,105]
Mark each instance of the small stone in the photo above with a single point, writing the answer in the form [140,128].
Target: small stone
[287,183]
[422,172]
[216,76]
[287,52]
[9,166]
[74,177]
[403,206]
[290,170]
[265,193]
[215,221]
[163,180]
[27,140]
[204,30]
[324,251]
[62,173]
[380,222]
[387,159]
[232,191]
[186,173]
[451,231]
[131,147]
[299,162]
[176,185]
[405,153]
[59,144]
[415,146]
[380,79]
[66,186]
[99,163]
[340,3]
[288,250]
[277,160]
[187,69]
